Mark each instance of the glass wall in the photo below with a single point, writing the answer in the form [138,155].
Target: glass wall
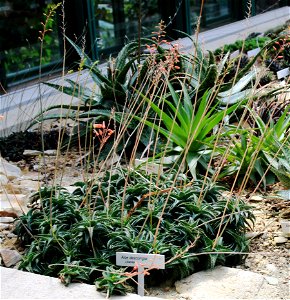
[120,20]
[104,25]
[262,6]
[213,11]
[20,23]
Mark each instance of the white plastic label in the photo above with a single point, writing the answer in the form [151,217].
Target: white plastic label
[156,261]
[253,52]
[234,54]
[283,73]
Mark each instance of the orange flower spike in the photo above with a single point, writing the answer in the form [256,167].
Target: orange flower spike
[110,132]
[97,126]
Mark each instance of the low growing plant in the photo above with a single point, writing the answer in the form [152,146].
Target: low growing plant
[76,236]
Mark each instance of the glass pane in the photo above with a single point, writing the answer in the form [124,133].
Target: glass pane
[105,24]
[213,11]
[20,23]
[266,5]
[150,17]
[117,20]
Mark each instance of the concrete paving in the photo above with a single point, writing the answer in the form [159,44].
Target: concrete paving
[17,284]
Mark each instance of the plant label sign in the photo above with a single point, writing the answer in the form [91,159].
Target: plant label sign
[283,73]
[141,260]
[253,52]
[234,54]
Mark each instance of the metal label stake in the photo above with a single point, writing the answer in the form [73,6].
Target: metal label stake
[142,260]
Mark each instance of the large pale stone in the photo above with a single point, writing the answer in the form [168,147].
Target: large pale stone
[14,203]
[278,240]
[28,186]
[221,283]
[9,170]
[7,219]
[24,285]
[3,180]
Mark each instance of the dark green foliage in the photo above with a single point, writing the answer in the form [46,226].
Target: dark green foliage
[273,65]
[76,242]
[235,67]
[286,53]
[248,44]
[267,78]
[113,282]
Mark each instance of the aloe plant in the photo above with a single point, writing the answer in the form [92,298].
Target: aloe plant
[255,148]
[244,156]
[189,129]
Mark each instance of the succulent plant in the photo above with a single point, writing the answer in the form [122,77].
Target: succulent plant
[286,53]
[273,65]
[267,78]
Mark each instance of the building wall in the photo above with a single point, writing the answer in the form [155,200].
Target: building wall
[101,27]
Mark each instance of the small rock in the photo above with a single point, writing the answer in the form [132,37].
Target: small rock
[271,268]
[31,153]
[283,260]
[3,180]
[36,168]
[10,257]
[287,245]
[13,203]
[265,235]
[11,235]
[6,220]
[256,198]
[50,152]
[9,170]
[4,227]
[252,235]
[272,280]
[278,240]
[285,226]
[30,185]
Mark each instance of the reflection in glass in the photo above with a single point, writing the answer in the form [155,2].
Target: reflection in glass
[20,23]
[118,20]
[213,11]
[266,5]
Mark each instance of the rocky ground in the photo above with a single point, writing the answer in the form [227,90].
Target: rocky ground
[269,253]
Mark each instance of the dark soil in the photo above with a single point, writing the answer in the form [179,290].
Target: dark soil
[13,146]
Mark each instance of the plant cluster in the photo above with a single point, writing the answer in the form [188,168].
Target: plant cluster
[244,45]
[185,113]
[276,58]
[76,236]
